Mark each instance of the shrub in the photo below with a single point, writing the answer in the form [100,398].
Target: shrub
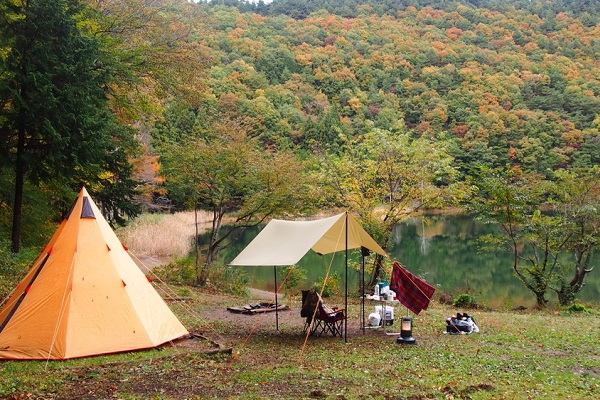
[578,308]
[13,267]
[294,277]
[181,271]
[330,287]
[464,300]
[229,280]
[220,278]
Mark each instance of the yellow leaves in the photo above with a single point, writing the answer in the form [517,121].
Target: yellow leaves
[427,71]
[429,12]
[573,137]
[500,44]
[304,59]
[471,71]
[251,47]
[146,167]
[319,73]
[235,76]
[355,104]
[490,99]
[589,93]
[437,115]
[344,74]
[533,78]
[530,47]
[439,46]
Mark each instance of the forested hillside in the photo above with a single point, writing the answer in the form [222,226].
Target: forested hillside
[476,82]
[254,110]
[506,81]
[396,107]
[585,9]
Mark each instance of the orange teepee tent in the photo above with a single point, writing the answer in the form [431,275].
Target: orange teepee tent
[84,296]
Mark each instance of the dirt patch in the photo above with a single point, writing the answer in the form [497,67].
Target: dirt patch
[200,366]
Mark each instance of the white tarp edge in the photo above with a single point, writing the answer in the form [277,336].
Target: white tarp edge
[286,242]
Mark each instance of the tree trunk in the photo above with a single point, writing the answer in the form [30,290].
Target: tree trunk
[566,295]
[541,300]
[217,221]
[377,266]
[19,183]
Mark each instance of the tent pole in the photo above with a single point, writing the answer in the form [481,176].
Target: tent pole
[276,305]
[362,287]
[346,297]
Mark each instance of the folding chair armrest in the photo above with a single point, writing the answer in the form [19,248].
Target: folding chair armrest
[337,313]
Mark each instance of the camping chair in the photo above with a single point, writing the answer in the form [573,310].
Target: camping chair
[326,319]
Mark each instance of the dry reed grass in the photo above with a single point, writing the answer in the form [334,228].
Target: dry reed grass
[164,236]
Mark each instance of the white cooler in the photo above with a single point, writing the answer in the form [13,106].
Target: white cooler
[389,314]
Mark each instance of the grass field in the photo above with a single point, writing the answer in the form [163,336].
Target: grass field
[516,355]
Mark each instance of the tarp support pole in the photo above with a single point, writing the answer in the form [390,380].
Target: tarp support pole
[276,305]
[346,298]
[364,253]
[362,287]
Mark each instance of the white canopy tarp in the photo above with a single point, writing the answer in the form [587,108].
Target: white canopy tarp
[284,242]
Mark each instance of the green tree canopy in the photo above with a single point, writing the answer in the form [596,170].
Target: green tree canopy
[551,228]
[217,166]
[388,176]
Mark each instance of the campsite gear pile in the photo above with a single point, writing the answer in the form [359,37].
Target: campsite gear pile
[461,324]
[374,319]
[382,292]
[377,318]
[388,317]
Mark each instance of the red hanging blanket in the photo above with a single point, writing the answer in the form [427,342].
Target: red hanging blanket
[411,291]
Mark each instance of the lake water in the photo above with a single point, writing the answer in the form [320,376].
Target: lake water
[444,252]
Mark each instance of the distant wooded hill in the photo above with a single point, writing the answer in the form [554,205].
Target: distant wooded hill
[507,81]
[586,9]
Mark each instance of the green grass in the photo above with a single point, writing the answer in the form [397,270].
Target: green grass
[537,355]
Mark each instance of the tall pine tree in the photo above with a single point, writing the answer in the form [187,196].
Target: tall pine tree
[55,121]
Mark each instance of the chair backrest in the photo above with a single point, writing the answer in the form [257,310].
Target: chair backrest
[326,312]
[310,301]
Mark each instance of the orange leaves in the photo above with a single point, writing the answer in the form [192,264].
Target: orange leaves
[454,33]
